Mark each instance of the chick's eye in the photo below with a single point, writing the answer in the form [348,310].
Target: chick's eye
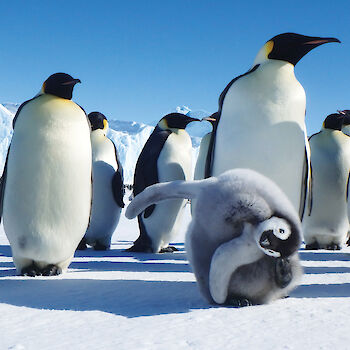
[281,230]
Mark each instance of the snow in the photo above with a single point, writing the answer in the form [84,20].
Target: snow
[119,300]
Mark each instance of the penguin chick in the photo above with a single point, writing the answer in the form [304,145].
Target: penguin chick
[108,187]
[244,236]
[166,156]
[46,184]
[326,223]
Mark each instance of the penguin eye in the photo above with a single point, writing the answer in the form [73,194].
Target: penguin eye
[281,230]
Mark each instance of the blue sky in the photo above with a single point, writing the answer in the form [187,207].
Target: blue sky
[138,60]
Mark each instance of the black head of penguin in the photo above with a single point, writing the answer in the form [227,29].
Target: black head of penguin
[176,121]
[97,120]
[334,121]
[346,114]
[60,84]
[292,47]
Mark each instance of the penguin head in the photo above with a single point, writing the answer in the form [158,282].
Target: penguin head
[213,119]
[60,84]
[98,121]
[346,114]
[175,121]
[275,237]
[334,121]
[290,47]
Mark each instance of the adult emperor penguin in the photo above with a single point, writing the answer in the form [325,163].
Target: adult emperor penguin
[108,187]
[326,223]
[262,118]
[199,171]
[46,184]
[166,156]
[244,236]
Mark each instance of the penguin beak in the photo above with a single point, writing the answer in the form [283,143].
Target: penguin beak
[209,119]
[316,41]
[72,82]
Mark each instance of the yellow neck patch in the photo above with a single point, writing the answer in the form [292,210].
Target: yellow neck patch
[268,48]
[105,125]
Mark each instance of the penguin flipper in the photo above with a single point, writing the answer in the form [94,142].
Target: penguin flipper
[305,192]
[118,188]
[118,182]
[2,184]
[146,172]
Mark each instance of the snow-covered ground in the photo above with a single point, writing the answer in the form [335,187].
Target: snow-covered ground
[119,300]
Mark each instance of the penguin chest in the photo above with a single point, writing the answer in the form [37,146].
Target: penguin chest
[48,185]
[262,127]
[175,159]
[199,172]
[330,161]
[104,207]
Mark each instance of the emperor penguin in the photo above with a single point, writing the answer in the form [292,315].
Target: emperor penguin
[243,240]
[108,186]
[261,122]
[326,224]
[46,184]
[166,156]
[199,171]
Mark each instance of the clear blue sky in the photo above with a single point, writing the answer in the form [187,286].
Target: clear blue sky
[139,59]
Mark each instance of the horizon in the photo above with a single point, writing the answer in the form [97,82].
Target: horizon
[138,61]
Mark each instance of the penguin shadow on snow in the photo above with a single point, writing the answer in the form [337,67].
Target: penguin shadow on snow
[140,262]
[7,268]
[323,290]
[129,298]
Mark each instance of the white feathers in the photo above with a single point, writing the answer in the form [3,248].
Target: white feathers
[228,257]
[222,237]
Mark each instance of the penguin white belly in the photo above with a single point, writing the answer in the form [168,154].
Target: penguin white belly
[199,171]
[48,186]
[328,222]
[105,212]
[262,127]
[174,163]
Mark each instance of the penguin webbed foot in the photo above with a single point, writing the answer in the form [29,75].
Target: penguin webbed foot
[169,249]
[51,270]
[238,302]
[31,271]
[82,244]
[312,246]
[283,272]
[100,247]
[142,245]
[333,246]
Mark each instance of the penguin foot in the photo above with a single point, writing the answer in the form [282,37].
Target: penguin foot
[169,249]
[51,270]
[283,272]
[31,271]
[99,246]
[333,246]
[82,244]
[312,246]
[238,302]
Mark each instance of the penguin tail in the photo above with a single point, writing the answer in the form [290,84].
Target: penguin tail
[163,191]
